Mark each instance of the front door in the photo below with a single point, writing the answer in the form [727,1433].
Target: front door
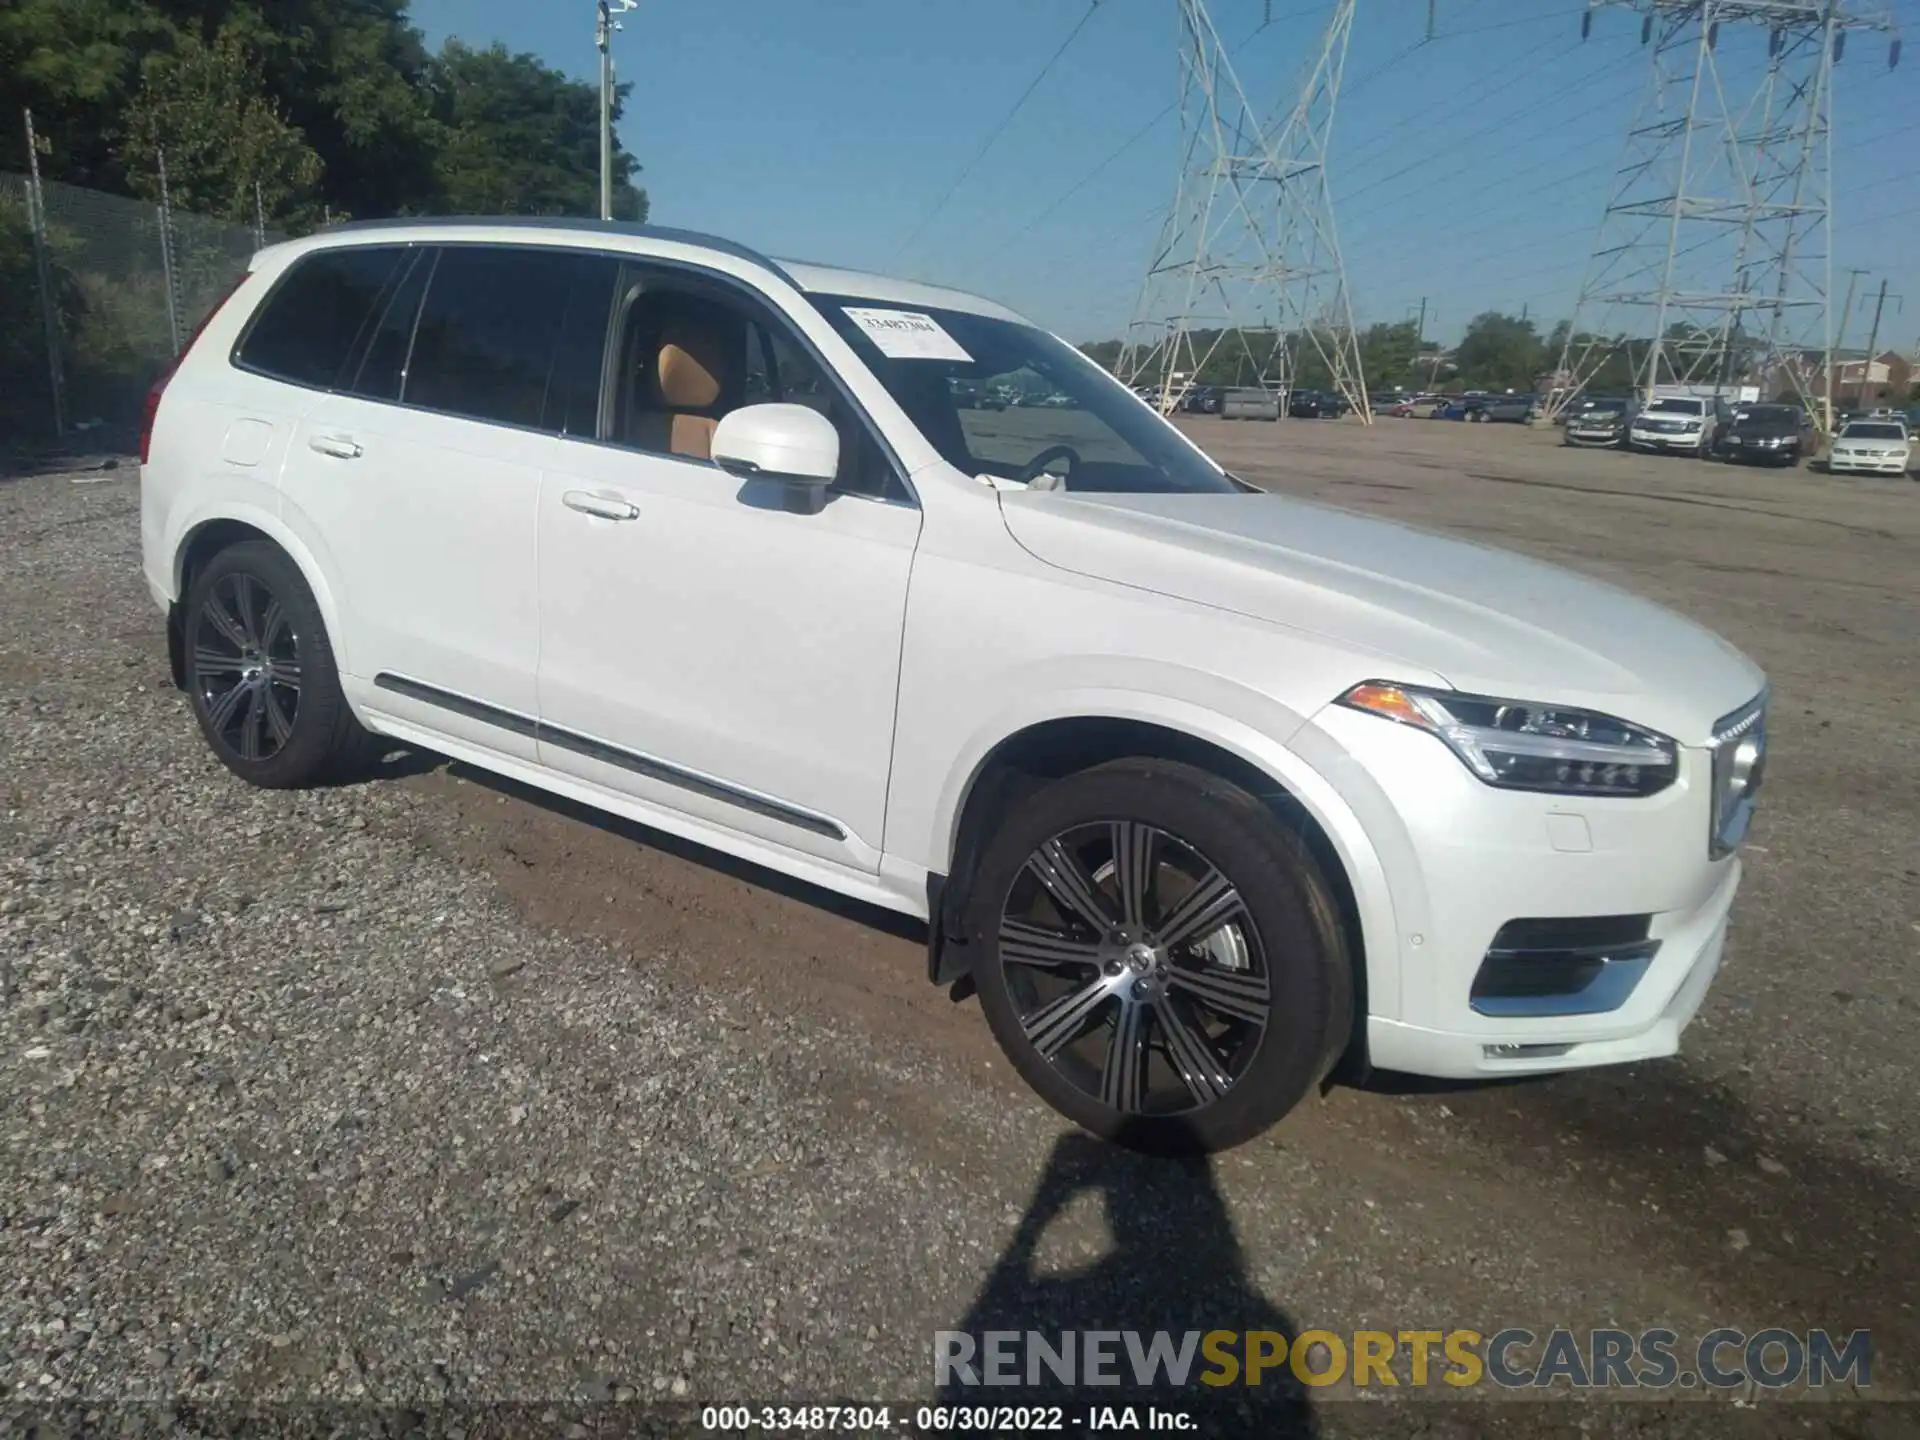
[702,648]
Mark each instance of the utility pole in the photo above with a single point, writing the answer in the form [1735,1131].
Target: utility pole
[604,25]
[1834,360]
[1716,249]
[1873,339]
[1250,229]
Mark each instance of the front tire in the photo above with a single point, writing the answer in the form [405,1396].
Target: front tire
[260,671]
[1158,957]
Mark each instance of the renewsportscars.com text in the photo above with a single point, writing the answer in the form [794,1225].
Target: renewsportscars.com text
[1513,1358]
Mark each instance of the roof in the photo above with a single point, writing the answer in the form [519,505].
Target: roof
[803,275]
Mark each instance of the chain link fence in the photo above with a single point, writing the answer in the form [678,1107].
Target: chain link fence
[98,293]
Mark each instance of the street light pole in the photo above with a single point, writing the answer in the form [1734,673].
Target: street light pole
[603,27]
[603,37]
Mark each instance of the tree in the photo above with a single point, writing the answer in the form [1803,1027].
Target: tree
[351,83]
[519,138]
[1388,353]
[1500,352]
[205,106]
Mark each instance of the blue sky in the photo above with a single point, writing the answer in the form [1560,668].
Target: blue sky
[1471,170]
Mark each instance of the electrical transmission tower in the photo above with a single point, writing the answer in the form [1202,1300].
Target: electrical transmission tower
[1246,283]
[1714,262]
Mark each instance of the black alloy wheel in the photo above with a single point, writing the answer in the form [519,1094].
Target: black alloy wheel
[246,666]
[260,671]
[1158,957]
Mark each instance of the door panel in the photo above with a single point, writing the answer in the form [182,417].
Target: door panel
[429,521]
[715,653]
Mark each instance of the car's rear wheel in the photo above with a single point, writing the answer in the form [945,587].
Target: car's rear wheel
[1158,957]
[260,671]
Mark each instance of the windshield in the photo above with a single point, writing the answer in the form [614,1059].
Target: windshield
[1011,401]
[1768,415]
[1874,432]
[1677,407]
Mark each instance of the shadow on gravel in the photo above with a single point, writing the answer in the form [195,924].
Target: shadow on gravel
[873,916]
[1175,1265]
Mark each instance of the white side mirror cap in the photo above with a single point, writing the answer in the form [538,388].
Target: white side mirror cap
[778,442]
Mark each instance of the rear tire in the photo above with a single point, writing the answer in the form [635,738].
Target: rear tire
[260,671]
[1158,957]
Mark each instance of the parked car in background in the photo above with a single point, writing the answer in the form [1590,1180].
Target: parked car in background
[1679,424]
[1766,435]
[1250,403]
[1456,407]
[1871,447]
[1511,408]
[1600,422]
[1313,405]
[1202,400]
[1200,789]
[1410,405]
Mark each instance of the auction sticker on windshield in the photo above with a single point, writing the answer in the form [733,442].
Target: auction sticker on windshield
[907,335]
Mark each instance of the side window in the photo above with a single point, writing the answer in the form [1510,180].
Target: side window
[688,355]
[484,346]
[316,316]
[383,369]
[573,389]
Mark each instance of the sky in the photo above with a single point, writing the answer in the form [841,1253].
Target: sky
[1470,169]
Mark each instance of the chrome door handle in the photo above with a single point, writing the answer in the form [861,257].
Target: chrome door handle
[604,506]
[338,446]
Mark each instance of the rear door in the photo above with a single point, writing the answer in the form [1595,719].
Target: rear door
[421,472]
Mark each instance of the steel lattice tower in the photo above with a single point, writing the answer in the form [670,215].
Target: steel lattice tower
[1714,262]
[1248,258]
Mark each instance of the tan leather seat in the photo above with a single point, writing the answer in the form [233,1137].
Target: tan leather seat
[685,381]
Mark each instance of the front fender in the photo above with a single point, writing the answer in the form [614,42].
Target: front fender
[1251,726]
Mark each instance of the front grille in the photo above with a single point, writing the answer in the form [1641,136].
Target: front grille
[1581,966]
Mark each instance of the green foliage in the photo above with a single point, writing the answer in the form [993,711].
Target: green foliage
[1388,354]
[1500,352]
[329,105]
[205,107]
[519,138]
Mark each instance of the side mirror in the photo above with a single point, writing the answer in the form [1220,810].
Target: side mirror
[787,443]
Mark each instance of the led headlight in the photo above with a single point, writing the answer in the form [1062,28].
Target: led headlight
[1520,745]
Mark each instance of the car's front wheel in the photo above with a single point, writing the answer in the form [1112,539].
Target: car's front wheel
[1158,956]
[260,670]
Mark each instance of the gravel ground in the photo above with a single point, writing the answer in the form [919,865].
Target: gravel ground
[419,1092]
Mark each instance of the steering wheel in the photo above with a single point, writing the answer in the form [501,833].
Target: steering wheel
[1046,457]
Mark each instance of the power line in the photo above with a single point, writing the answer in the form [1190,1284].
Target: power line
[994,135]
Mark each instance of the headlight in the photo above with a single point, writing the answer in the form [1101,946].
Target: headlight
[1520,745]
[1739,762]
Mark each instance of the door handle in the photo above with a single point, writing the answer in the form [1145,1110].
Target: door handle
[338,446]
[604,506]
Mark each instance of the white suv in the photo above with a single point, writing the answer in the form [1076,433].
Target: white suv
[1203,789]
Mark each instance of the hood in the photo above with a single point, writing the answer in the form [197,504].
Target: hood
[1763,428]
[1417,604]
[1600,419]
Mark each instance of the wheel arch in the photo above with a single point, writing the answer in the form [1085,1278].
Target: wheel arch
[1060,745]
[206,537]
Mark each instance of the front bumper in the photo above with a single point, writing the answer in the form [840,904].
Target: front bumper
[1592,437]
[1868,465]
[1470,858]
[1646,1028]
[1664,440]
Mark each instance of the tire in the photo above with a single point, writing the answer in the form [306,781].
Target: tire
[260,671]
[1277,1003]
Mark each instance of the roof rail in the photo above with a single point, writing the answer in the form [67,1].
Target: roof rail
[571,222]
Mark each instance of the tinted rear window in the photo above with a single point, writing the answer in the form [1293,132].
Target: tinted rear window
[315,317]
[485,342]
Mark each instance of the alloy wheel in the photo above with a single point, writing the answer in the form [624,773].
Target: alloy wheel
[246,666]
[1135,968]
